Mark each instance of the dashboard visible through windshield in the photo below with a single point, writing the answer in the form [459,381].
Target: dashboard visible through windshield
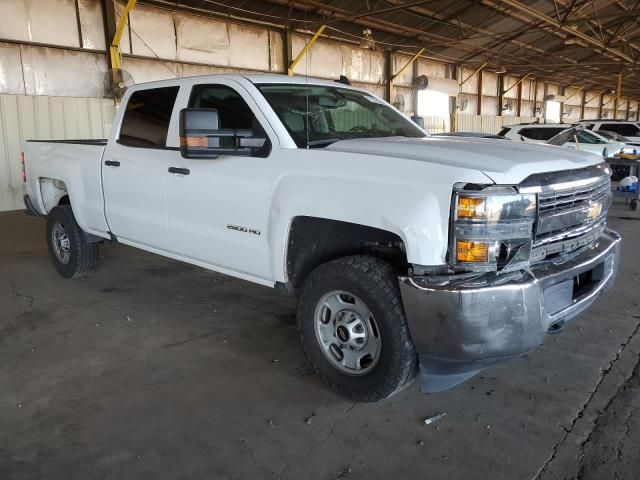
[317,115]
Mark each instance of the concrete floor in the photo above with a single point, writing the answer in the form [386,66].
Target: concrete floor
[158,370]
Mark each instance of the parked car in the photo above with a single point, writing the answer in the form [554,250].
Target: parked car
[532,132]
[543,133]
[630,148]
[617,137]
[629,129]
[405,252]
[588,141]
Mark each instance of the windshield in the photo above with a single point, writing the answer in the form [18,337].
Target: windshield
[576,133]
[586,136]
[317,116]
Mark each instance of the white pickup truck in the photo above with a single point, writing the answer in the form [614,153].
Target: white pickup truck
[407,253]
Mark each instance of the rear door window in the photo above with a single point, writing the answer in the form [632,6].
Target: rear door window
[147,116]
[625,129]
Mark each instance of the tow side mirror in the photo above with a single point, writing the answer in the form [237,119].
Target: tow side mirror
[202,137]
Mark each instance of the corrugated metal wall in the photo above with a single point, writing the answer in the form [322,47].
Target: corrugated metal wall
[487,123]
[28,117]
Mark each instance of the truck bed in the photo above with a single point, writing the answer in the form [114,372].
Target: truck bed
[75,165]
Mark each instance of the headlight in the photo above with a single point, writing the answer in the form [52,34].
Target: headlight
[492,229]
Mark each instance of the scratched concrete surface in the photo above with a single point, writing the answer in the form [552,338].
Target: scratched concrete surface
[155,369]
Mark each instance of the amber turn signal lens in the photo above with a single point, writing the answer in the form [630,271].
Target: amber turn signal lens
[194,142]
[467,251]
[471,207]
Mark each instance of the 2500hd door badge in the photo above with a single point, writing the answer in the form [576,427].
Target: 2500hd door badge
[239,228]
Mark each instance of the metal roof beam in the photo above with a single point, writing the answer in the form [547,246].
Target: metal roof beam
[532,12]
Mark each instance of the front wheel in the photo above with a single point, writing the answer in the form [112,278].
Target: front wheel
[71,253]
[353,328]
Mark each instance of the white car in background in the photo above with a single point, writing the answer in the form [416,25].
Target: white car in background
[580,139]
[628,129]
[588,141]
[533,132]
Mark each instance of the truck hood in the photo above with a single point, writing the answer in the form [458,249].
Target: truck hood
[504,162]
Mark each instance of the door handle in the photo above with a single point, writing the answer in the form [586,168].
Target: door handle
[179,170]
[112,163]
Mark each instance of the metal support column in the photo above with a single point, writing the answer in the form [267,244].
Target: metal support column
[500,93]
[287,53]
[479,103]
[545,92]
[616,104]
[402,69]
[535,97]
[626,113]
[453,101]
[414,100]
[600,105]
[388,75]
[110,22]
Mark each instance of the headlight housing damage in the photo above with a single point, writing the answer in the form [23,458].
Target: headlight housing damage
[492,229]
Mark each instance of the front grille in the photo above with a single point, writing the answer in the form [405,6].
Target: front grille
[572,210]
[548,203]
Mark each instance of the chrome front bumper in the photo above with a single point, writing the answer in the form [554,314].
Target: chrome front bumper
[461,324]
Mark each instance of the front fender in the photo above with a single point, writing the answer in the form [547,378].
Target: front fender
[365,190]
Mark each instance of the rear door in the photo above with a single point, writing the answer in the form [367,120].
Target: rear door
[135,166]
[218,209]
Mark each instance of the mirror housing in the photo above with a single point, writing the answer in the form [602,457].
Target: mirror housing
[202,137]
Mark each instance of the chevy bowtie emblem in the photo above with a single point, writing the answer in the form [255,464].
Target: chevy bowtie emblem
[594,210]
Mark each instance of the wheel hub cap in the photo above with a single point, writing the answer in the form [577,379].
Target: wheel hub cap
[347,332]
[61,243]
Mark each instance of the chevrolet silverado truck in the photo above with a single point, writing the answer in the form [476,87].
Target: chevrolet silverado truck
[409,254]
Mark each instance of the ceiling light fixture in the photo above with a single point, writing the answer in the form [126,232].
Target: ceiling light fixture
[367,41]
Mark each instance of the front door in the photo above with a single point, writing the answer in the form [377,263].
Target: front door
[218,209]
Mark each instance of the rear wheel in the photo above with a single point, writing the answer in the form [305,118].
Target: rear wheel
[71,253]
[353,328]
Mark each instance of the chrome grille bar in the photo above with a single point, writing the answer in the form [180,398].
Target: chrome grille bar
[572,209]
[575,197]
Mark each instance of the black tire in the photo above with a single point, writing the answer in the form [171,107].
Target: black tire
[375,283]
[82,255]
[633,205]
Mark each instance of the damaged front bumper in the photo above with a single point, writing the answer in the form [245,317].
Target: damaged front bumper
[461,324]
